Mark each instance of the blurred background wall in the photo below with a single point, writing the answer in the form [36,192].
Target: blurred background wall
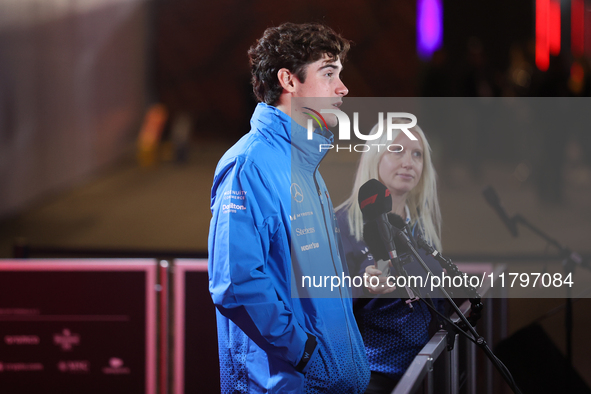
[76,75]
[73,88]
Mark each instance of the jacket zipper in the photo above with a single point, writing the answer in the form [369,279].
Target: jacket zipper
[325,224]
[333,259]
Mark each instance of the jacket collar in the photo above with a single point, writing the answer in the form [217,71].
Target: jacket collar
[271,122]
[278,127]
[305,152]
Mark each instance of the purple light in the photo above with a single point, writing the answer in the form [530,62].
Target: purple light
[429,27]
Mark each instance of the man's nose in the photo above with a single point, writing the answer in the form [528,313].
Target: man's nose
[341,89]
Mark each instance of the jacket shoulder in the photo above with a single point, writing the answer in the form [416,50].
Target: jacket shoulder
[251,149]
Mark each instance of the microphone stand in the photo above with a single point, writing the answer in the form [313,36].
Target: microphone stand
[570,257]
[413,294]
[570,260]
[476,304]
[476,338]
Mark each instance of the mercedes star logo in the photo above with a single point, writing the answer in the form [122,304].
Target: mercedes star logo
[296,192]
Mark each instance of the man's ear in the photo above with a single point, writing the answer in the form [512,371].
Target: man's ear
[286,79]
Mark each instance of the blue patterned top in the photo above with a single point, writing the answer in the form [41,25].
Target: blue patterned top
[393,333]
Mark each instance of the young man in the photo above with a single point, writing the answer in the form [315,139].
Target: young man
[273,221]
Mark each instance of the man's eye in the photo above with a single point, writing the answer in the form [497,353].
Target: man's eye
[329,74]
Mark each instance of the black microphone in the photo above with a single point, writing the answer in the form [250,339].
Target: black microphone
[375,202]
[397,221]
[492,198]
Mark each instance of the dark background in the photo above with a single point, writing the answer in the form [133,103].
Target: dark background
[77,78]
[201,65]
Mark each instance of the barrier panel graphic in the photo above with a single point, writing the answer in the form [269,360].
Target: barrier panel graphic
[196,365]
[78,326]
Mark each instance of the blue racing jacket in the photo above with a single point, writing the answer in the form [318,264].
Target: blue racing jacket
[273,224]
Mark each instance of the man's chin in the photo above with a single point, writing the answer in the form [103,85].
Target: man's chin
[331,120]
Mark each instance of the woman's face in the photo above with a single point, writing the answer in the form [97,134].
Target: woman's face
[401,171]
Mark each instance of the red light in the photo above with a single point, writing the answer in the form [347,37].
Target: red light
[542,30]
[588,32]
[554,27]
[577,18]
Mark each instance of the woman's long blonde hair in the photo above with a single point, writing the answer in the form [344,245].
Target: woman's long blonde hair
[422,200]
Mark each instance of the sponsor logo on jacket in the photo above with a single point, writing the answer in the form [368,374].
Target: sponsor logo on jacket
[313,245]
[231,207]
[296,192]
[235,195]
[304,231]
[295,216]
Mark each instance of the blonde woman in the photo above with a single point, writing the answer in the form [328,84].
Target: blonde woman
[393,333]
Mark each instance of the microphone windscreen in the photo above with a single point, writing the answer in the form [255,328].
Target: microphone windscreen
[374,199]
[373,240]
[396,221]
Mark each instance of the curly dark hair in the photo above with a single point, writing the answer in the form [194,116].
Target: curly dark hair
[292,46]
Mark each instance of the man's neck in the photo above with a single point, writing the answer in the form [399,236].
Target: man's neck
[284,105]
[286,109]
